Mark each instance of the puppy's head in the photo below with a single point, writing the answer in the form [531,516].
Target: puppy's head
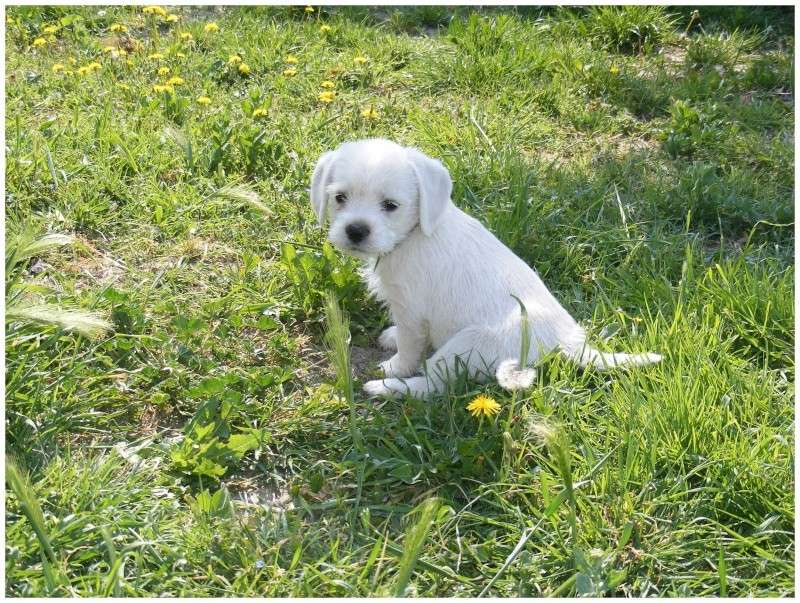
[376,192]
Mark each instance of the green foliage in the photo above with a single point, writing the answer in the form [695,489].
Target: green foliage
[630,29]
[209,446]
[311,272]
[690,130]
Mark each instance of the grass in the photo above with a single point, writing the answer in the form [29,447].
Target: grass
[207,445]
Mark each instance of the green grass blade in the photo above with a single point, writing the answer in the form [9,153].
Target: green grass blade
[412,543]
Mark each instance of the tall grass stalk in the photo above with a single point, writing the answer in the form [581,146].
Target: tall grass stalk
[413,541]
[337,340]
[20,485]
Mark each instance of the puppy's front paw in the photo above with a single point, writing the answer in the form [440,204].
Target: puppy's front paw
[377,387]
[388,339]
[394,367]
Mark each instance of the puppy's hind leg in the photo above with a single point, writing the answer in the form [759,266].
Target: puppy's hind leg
[474,350]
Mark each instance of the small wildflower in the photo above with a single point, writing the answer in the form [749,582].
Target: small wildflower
[163,88]
[180,55]
[72,61]
[119,52]
[171,18]
[39,42]
[156,56]
[57,67]
[175,81]
[327,96]
[290,72]
[614,70]
[163,70]
[123,86]
[291,59]
[107,49]
[234,59]
[309,9]
[154,10]
[260,112]
[360,60]
[327,84]
[259,564]
[369,113]
[118,27]
[186,36]
[244,68]
[50,29]
[203,100]
[325,28]
[211,27]
[483,405]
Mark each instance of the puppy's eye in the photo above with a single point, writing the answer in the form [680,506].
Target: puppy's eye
[341,198]
[389,205]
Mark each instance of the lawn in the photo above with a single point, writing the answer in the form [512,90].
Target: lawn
[175,422]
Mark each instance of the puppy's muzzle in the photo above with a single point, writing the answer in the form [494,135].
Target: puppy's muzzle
[357,232]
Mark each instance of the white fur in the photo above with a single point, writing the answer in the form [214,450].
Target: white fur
[447,280]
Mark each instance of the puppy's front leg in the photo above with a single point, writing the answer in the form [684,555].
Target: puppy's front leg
[410,347]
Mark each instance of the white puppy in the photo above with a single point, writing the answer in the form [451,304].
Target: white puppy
[449,283]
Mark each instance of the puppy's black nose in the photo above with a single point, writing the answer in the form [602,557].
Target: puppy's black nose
[357,231]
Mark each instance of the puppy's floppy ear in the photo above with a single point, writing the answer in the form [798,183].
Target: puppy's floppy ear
[319,180]
[435,187]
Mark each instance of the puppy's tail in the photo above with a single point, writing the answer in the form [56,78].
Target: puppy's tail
[586,355]
[511,377]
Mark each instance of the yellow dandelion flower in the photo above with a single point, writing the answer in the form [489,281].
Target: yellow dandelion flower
[186,36]
[203,100]
[369,113]
[175,81]
[39,42]
[72,61]
[325,28]
[118,27]
[244,68]
[154,10]
[107,49]
[180,55]
[84,70]
[614,70]
[211,27]
[234,59]
[156,56]
[327,84]
[290,72]
[260,112]
[163,88]
[327,97]
[94,66]
[57,67]
[309,9]
[122,52]
[483,405]
[171,18]
[50,29]
[360,60]
[163,70]
[291,59]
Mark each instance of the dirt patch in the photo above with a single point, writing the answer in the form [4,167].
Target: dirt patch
[318,369]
